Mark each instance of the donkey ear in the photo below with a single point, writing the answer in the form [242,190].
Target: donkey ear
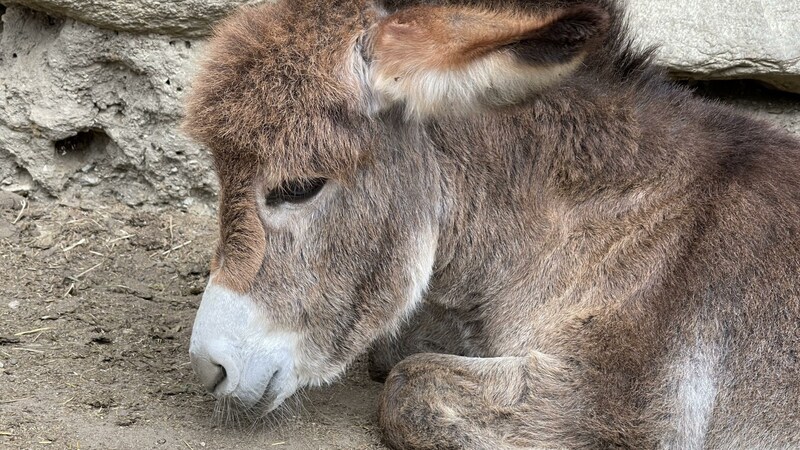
[453,60]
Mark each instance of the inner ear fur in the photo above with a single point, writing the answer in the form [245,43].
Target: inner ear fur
[452,60]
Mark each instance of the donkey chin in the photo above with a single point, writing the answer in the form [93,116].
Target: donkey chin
[240,358]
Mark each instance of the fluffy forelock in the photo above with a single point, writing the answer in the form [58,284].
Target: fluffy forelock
[269,92]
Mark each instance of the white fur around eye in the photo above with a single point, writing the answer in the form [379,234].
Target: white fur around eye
[294,217]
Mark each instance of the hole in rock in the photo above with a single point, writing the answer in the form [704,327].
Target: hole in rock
[82,148]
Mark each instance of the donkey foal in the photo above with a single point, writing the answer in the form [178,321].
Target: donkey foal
[541,241]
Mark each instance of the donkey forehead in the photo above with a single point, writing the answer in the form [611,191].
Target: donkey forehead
[272,91]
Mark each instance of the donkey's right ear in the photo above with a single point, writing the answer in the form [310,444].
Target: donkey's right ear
[437,60]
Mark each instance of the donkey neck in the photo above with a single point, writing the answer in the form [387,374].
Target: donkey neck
[580,158]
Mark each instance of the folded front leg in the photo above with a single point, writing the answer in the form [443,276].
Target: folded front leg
[433,329]
[441,401]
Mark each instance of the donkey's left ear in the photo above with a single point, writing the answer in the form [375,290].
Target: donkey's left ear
[439,60]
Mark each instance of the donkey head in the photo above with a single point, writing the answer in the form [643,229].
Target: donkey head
[333,198]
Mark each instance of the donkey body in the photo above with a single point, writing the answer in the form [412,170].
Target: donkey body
[543,242]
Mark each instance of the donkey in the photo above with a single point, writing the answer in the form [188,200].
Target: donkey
[539,239]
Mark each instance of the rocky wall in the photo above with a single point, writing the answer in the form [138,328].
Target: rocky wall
[92,90]
[182,18]
[84,107]
[719,40]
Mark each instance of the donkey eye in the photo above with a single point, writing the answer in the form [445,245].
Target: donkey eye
[295,191]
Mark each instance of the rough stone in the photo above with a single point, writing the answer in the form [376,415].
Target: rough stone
[712,39]
[10,201]
[7,229]
[186,18]
[87,108]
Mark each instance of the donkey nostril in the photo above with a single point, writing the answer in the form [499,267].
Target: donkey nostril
[211,373]
[221,375]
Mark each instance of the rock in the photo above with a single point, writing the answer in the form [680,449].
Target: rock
[185,18]
[10,201]
[710,39]
[89,112]
[7,229]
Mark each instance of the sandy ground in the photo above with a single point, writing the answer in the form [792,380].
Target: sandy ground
[96,309]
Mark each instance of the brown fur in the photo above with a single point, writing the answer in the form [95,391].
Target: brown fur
[604,247]
[438,39]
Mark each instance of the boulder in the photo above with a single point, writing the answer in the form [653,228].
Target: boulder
[88,111]
[184,18]
[712,39]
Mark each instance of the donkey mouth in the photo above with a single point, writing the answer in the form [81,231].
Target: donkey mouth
[251,407]
[261,387]
[268,400]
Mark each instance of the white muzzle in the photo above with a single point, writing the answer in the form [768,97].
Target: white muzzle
[236,355]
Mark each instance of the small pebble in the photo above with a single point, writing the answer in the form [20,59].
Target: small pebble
[162,441]
[14,304]
[12,361]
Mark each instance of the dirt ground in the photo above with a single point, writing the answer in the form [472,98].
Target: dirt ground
[96,309]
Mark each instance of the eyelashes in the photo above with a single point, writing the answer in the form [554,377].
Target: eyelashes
[295,191]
